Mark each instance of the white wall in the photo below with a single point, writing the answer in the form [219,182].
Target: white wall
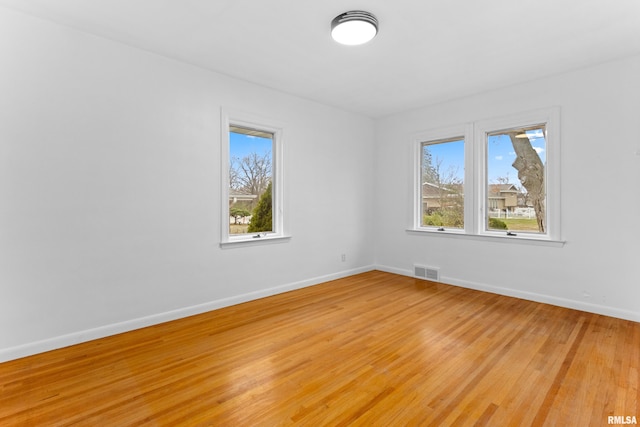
[110,189]
[600,112]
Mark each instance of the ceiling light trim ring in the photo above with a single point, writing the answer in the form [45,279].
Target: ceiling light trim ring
[348,20]
[355,15]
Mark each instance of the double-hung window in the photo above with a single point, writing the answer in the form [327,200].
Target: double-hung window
[496,178]
[252,187]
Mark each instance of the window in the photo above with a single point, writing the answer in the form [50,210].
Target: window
[252,180]
[515,181]
[498,178]
[442,183]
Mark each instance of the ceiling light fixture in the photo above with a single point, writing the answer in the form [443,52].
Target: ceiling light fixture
[354,27]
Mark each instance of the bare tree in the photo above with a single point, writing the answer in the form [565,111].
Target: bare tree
[234,178]
[503,179]
[250,174]
[450,194]
[531,174]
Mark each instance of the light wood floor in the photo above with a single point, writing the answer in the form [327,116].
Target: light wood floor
[374,349]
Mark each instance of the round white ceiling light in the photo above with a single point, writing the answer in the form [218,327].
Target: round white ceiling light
[354,27]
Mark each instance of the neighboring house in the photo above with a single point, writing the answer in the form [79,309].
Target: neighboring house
[502,197]
[235,198]
[438,197]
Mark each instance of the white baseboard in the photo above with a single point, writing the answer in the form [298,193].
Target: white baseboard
[42,346]
[78,337]
[530,296]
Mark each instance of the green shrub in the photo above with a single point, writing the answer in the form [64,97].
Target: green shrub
[435,219]
[445,218]
[496,224]
[453,218]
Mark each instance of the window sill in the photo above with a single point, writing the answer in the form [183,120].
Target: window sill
[254,241]
[487,238]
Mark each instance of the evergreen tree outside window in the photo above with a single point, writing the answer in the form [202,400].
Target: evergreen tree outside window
[262,217]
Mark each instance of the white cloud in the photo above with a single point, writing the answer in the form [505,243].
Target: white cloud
[538,149]
[536,134]
[499,157]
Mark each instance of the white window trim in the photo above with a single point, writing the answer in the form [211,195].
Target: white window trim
[550,117]
[449,234]
[252,121]
[475,172]
[465,131]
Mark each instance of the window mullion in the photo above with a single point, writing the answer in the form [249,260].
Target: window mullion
[470,202]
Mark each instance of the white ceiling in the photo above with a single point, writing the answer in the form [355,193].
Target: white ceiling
[425,52]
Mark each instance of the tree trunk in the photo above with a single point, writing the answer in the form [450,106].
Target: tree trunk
[531,175]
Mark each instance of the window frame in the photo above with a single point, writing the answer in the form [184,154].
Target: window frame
[550,118]
[459,132]
[476,181]
[251,121]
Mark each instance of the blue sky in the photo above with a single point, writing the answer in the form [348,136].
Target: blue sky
[500,156]
[240,145]
[450,155]
[500,153]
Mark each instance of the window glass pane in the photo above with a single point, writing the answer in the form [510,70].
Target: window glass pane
[516,180]
[250,181]
[442,182]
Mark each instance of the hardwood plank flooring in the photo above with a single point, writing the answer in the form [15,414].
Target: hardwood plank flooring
[375,349]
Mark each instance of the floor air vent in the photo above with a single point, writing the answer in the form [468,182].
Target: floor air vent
[427,273]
